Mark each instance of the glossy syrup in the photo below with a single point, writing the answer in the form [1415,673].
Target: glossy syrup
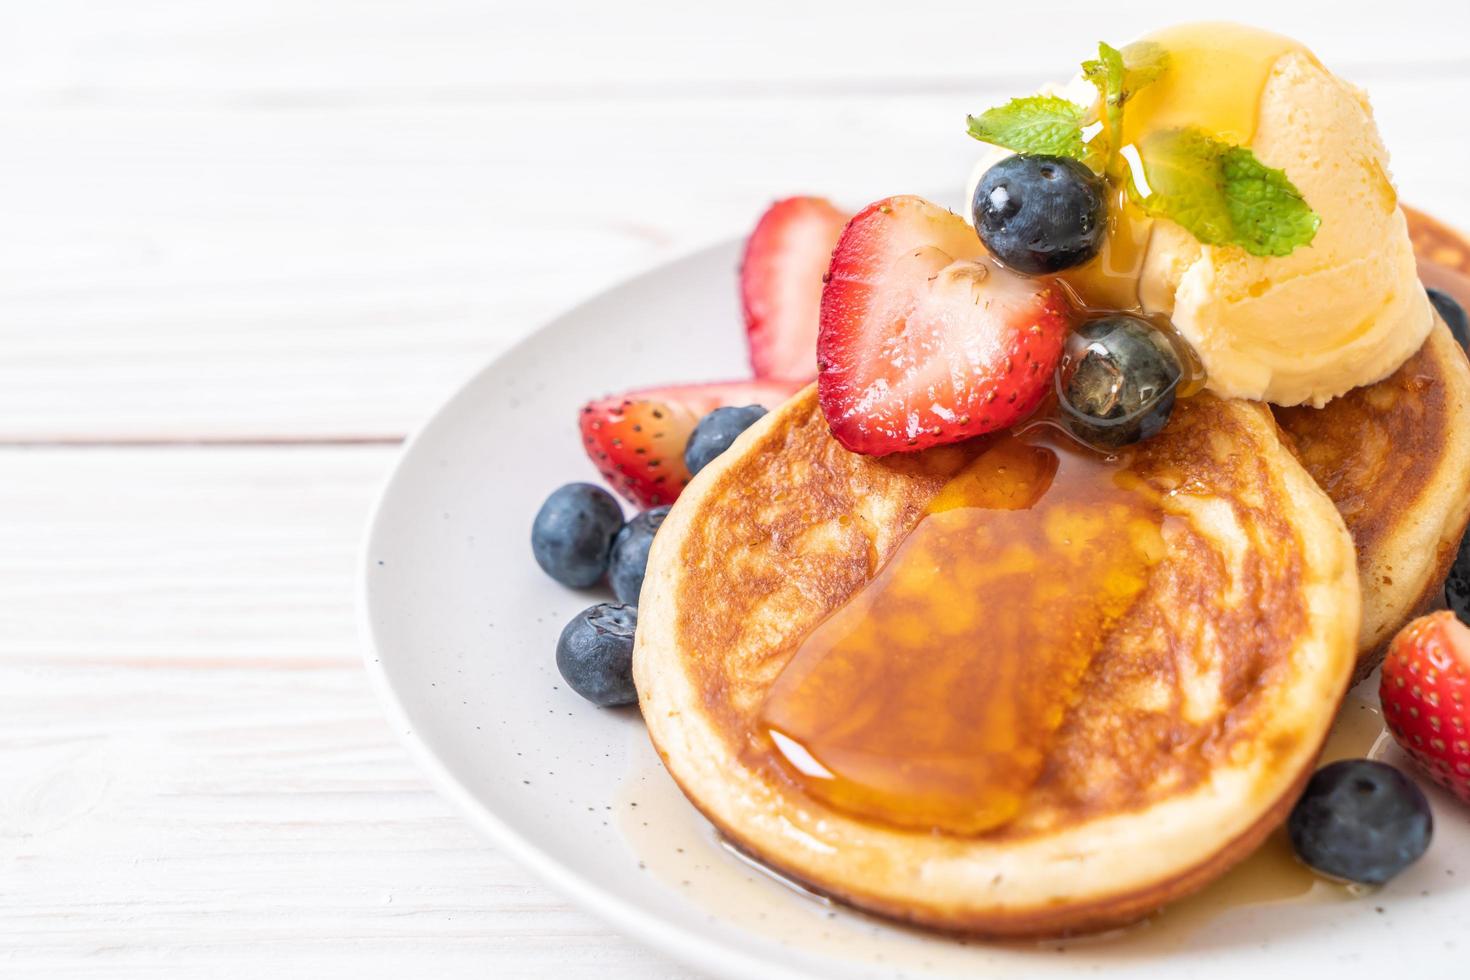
[1213,82]
[1109,282]
[1272,874]
[1269,894]
[931,698]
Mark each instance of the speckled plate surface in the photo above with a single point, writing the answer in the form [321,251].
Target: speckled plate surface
[461,629]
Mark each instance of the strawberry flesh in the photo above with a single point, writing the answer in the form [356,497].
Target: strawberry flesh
[637,440]
[1425,690]
[781,284]
[924,340]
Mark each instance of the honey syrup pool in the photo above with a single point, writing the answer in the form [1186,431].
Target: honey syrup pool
[918,705]
[1266,897]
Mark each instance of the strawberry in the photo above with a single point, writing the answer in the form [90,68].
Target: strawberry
[924,340]
[637,440]
[781,284]
[1425,690]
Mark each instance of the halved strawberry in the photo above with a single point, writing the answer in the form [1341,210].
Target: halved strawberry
[637,440]
[924,339]
[781,284]
[1425,690]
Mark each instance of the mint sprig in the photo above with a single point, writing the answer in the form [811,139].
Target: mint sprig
[1217,191]
[1117,76]
[1106,72]
[1042,124]
[1222,194]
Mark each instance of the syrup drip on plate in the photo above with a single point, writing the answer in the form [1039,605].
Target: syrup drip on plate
[1268,894]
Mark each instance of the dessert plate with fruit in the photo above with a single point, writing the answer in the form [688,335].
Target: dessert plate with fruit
[1070,582]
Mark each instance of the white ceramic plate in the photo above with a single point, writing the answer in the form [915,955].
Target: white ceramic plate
[462,628]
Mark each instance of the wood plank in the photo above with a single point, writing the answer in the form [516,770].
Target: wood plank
[194,774]
[336,271]
[341,51]
[152,555]
[330,272]
[238,819]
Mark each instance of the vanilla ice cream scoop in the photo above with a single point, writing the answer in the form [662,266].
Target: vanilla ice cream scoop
[1302,328]
[1345,311]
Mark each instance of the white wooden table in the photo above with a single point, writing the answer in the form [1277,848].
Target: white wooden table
[244,248]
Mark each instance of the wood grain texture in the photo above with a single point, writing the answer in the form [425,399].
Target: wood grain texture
[194,774]
[292,228]
[275,220]
[215,51]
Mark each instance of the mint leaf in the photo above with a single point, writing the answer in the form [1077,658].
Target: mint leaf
[1221,193]
[1271,216]
[1106,73]
[1117,76]
[1143,62]
[1038,124]
[1053,125]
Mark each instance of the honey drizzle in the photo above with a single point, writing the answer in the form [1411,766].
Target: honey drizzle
[1213,81]
[1109,281]
[930,700]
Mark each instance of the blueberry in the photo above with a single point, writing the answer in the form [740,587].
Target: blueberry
[595,654]
[630,554]
[1041,214]
[1360,820]
[715,432]
[572,535]
[1116,381]
[1453,314]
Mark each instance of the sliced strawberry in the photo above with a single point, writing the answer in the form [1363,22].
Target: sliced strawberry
[781,284]
[926,341]
[1425,690]
[637,440]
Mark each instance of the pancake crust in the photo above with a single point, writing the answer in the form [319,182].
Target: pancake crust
[1395,459]
[1193,730]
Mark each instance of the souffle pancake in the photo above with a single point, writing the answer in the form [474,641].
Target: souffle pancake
[1143,742]
[1395,458]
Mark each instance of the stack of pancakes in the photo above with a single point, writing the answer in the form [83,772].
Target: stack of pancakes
[1298,544]
[1395,459]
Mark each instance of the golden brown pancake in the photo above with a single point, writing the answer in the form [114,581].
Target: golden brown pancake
[1185,734]
[1395,458]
